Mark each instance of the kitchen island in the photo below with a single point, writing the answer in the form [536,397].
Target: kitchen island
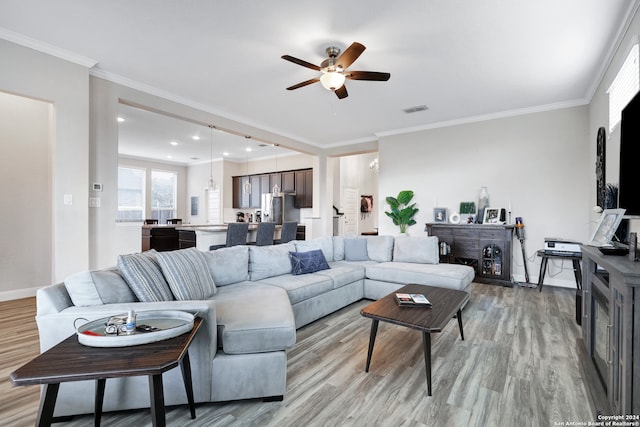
[169,237]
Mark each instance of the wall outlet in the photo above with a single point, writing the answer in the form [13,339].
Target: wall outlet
[68,199]
[94,202]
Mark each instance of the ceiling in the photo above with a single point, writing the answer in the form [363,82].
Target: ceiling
[462,59]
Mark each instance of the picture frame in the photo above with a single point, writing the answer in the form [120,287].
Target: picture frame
[194,205]
[491,216]
[607,226]
[440,215]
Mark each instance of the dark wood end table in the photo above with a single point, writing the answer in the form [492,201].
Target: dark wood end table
[71,361]
[445,304]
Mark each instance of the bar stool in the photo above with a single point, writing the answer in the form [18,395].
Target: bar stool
[236,235]
[288,232]
[264,237]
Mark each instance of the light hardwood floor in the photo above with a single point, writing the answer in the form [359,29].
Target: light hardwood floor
[518,366]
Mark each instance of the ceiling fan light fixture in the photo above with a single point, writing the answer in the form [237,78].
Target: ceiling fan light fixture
[332,80]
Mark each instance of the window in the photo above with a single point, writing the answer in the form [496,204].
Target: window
[163,195]
[624,87]
[130,194]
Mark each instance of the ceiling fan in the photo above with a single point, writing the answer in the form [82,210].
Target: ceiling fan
[334,70]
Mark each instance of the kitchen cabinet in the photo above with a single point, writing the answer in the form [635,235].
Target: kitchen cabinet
[241,198]
[304,188]
[255,196]
[265,185]
[288,182]
[275,178]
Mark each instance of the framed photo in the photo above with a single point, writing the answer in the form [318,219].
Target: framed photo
[439,214]
[491,216]
[607,226]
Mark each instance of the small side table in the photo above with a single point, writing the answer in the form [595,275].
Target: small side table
[577,272]
[71,361]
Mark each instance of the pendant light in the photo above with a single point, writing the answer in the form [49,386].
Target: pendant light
[276,188]
[211,185]
[247,184]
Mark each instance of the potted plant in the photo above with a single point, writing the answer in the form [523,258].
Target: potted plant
[401,212]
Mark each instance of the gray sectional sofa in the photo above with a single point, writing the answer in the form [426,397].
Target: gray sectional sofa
[252,301]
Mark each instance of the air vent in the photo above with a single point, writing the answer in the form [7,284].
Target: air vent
[415,109]
[264,145]
[195,158]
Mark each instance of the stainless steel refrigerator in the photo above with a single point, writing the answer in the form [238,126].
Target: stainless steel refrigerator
[280,208]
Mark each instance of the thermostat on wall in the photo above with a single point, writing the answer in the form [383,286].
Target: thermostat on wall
[97,186]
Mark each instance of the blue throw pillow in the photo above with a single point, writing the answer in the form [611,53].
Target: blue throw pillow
[308,262]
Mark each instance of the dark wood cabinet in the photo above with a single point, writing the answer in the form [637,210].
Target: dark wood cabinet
[255,196]
[241,198]
[288,182]
[275,178]
[611,329]
[265,184]
[304,188]
[485,247]
[186,239]
[159,237]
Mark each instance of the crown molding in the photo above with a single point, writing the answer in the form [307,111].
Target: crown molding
[486,117]
[49,49]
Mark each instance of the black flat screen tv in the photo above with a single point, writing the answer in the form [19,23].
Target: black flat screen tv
[629,184]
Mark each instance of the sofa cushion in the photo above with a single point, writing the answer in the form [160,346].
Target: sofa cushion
[144,276]
[228,265]
[187,273]
[308,262]
[452,276]
[343,273]
[355,249]
[323,243]
[379,248]
[338,248]
[82,290]
[254,318]
[269,261]
[112,287]
[416,249]
[300,288]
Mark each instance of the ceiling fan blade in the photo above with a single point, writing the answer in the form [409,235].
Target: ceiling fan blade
[341,92]
[367,75]
[301,84]
[300,62]
[349,56]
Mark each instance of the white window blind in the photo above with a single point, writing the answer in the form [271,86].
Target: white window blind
[624,87]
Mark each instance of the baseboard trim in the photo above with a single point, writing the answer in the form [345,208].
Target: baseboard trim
[18,294]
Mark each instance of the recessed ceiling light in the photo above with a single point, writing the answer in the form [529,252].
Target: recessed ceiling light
[169,156]
[247,149]
[120,119]
[195,138]
[174,143]
[225,154]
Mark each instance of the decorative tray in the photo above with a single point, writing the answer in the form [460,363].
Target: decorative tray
[151,326]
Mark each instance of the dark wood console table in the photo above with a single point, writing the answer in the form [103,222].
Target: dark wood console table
[485,247]
[611,328]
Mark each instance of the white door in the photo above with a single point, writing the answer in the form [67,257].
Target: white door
[351,208]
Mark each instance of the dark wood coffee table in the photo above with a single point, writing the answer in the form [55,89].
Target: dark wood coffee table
[71,361]
[445,304]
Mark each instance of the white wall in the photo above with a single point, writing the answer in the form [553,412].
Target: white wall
[599,116]
[32,74]
[539,163]
[26,145]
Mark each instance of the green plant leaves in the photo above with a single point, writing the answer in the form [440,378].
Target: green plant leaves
[401,213]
